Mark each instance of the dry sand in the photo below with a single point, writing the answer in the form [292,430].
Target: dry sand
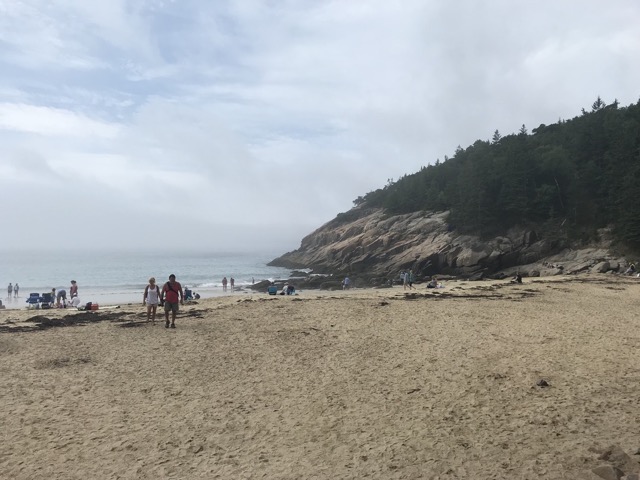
[357,384]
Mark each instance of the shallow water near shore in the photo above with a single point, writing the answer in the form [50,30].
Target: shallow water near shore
[117,277]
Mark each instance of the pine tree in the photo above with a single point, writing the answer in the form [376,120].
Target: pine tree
[598,105]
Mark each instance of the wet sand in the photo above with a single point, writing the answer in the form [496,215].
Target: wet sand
[358,384]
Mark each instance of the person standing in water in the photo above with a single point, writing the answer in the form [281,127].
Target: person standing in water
[16,288]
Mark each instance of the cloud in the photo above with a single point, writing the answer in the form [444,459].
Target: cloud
[49,121]
[251,120]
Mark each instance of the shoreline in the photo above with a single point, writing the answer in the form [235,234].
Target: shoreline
[116,298]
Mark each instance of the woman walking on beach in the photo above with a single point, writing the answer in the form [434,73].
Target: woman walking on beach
[151,298]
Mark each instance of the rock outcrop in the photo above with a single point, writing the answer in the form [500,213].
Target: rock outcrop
[617,465]
[367,242]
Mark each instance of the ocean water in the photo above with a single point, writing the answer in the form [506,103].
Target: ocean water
[110,278]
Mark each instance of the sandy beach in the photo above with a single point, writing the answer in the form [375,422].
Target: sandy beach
[365,383]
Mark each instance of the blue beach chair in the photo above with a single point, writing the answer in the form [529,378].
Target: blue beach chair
[46,300]
[33,301]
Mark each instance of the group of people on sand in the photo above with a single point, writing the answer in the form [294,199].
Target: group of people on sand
[53,299]
[170,297]
[59,297]
[407,279]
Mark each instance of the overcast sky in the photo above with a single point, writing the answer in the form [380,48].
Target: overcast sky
[243,125]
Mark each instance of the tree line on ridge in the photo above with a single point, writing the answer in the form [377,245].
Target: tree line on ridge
[569,179]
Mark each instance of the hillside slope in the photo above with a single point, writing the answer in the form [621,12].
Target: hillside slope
[372,244]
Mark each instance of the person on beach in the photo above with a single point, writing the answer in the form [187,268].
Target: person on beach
[73,290]
[288,289]
[433,283]
[224,284]
[409,279]
[346,283]
[61,298]
[405,280]
[232,281]
[170,293]
[10,291]
[16,289]
[188,294]
[151,297]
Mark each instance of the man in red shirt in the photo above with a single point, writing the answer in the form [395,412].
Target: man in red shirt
[171,295]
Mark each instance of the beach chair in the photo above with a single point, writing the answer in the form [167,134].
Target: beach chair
[273,290]
[46,300]
[33,301]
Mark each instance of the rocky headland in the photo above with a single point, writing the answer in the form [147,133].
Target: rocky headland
[374,248]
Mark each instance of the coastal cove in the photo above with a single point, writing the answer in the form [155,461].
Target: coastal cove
[377,383]
[119,277]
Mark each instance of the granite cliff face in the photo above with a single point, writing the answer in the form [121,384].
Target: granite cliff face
[366,242]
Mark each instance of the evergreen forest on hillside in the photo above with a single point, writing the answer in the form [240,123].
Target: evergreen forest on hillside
[571,178]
